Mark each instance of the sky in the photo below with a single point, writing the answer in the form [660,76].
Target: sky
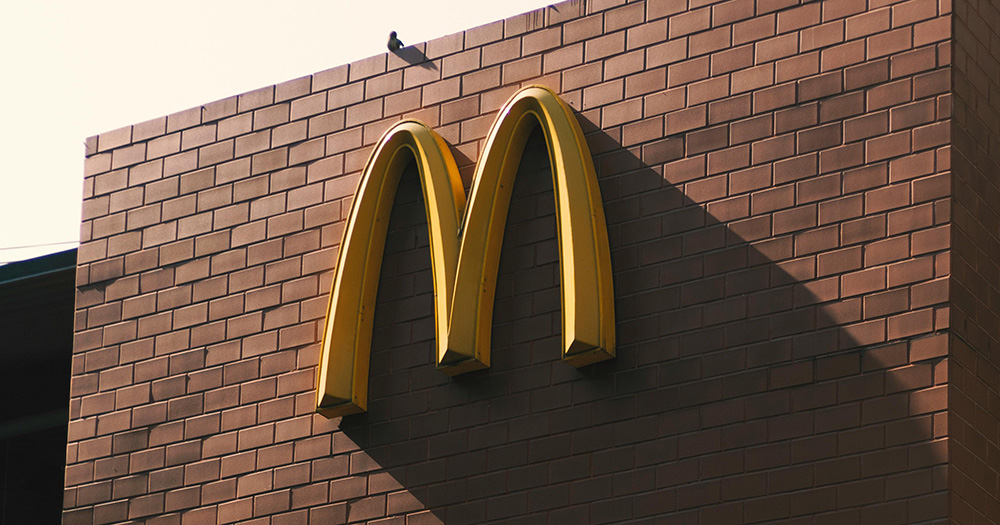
[73,69]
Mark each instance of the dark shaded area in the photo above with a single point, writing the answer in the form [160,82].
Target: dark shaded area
[36,345]
[974,373]
[415,57]
[732,376]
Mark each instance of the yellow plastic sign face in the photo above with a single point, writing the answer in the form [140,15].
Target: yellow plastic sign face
[465,246]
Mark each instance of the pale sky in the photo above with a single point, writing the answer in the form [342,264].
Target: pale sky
[72,69]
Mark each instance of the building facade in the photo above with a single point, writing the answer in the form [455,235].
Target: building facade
[800,201]
[37,299]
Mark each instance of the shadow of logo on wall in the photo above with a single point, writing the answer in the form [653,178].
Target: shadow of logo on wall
[750,383]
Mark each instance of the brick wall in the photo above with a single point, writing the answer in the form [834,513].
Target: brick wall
[776,177]
[974,378]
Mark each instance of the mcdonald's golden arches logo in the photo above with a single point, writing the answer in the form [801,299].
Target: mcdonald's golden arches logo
[465,242]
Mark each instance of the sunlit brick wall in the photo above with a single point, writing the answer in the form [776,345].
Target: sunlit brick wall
[776,177]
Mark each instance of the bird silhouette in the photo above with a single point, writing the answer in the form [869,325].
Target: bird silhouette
[394,43]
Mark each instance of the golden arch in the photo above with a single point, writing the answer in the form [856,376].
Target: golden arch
[465,246]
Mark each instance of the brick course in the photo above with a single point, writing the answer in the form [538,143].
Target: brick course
[805,314]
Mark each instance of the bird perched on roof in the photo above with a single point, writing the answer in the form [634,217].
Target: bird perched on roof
[394,43]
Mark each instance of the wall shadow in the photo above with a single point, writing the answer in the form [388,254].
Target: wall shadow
[749,385]
[415,56]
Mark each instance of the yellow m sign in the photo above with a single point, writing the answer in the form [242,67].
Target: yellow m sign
[465,246]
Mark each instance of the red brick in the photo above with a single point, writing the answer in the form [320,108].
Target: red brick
[690,22]
[778,189]
[646,34]
[798,18]
[776,48]
[754,29]
[934,30]
[732,60]
[752,79]
[709,41]
[775,97]
[750,129]
[797,67]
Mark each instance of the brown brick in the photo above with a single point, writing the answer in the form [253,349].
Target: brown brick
[778,183]
[687,72]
